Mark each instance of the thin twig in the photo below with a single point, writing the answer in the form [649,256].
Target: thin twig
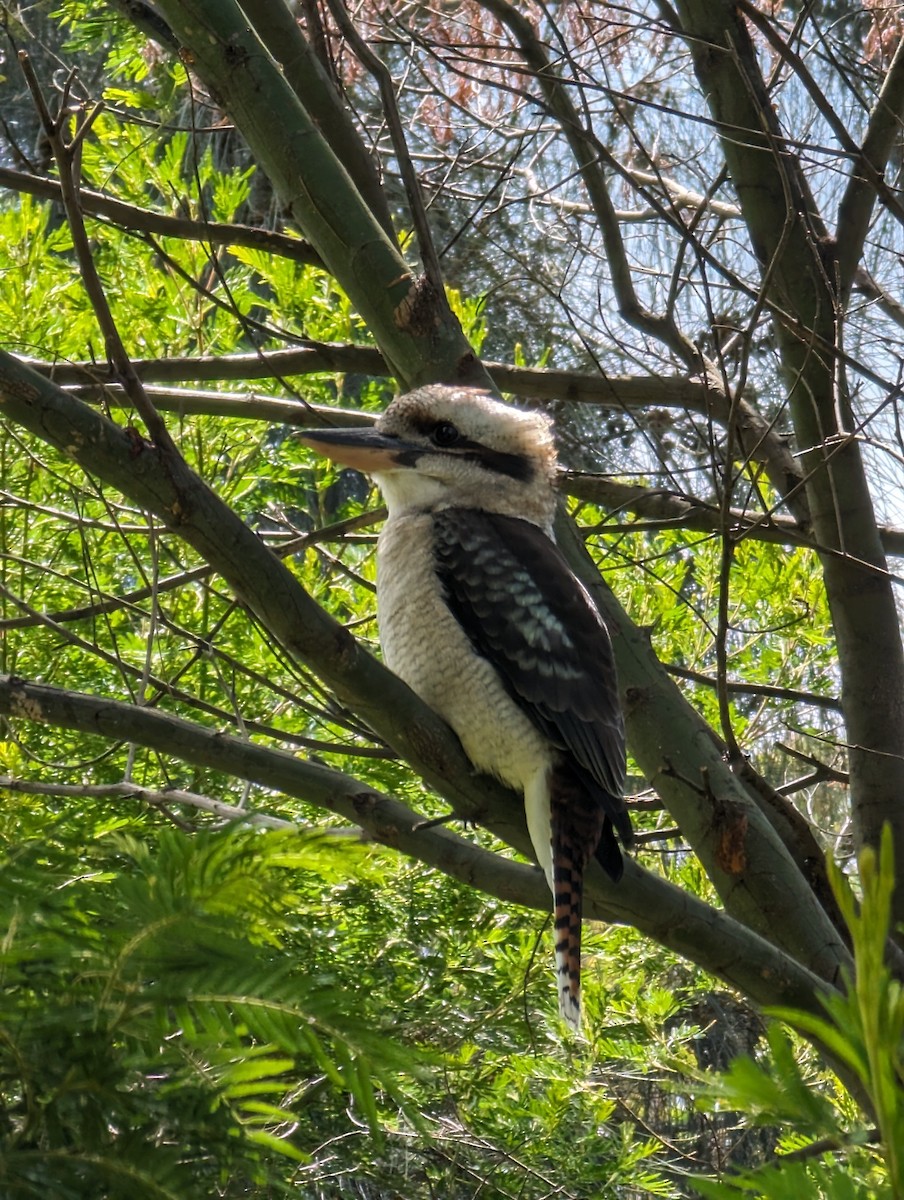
[67,156]
[142,220]
[773,691]
[825,772]
[381,73]
[586,155]
[152,796]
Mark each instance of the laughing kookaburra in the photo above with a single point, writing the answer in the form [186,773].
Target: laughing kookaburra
[481,616]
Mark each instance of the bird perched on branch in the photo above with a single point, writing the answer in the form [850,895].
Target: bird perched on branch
[481,616]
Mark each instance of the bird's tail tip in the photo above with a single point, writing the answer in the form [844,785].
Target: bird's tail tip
[568,963]
[570,1005]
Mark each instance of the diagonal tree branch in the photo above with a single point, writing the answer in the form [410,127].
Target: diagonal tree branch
[800,264]
[387,820]
[280,32]
[740,838]
[67,154]
[674,918]
[412,323]
[381,73]
[867,178]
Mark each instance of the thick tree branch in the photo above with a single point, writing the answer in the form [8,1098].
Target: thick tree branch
[280,32]
[752,858]
[307,358]
[867,179]
[387,820]
[674,918]
[412,324]
[310,357]
[800,269]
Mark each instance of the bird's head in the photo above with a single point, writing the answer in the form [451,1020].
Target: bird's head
[448,447]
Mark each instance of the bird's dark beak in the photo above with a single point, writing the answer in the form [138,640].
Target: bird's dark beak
[364,449]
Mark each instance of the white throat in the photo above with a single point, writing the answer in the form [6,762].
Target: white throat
[407,490]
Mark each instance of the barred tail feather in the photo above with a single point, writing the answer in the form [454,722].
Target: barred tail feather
[580,828]
[568,905]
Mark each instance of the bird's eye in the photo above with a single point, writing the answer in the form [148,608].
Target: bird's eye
[445,434]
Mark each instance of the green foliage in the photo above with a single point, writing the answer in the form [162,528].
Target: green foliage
[834,1151]
[159,1024]
[778,632]
[508,1105]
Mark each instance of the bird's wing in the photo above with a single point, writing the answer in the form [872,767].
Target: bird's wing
[524,610]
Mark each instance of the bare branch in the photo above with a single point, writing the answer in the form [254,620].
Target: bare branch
[385,819]
[868,162]
[664,509]
[740,688]
[586,155]
[760,441]
[150,796]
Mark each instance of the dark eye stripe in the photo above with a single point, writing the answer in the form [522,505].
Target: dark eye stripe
[515,466]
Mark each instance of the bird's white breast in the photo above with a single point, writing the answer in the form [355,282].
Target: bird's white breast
[424,644]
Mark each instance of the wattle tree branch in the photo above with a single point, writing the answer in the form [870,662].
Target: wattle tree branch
[278,29]
[674,918]
[412,323]
[799,264]
[385,819]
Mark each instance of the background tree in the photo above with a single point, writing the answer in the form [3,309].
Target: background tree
[692,213]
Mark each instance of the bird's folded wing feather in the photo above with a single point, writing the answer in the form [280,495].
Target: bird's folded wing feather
[524,610]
